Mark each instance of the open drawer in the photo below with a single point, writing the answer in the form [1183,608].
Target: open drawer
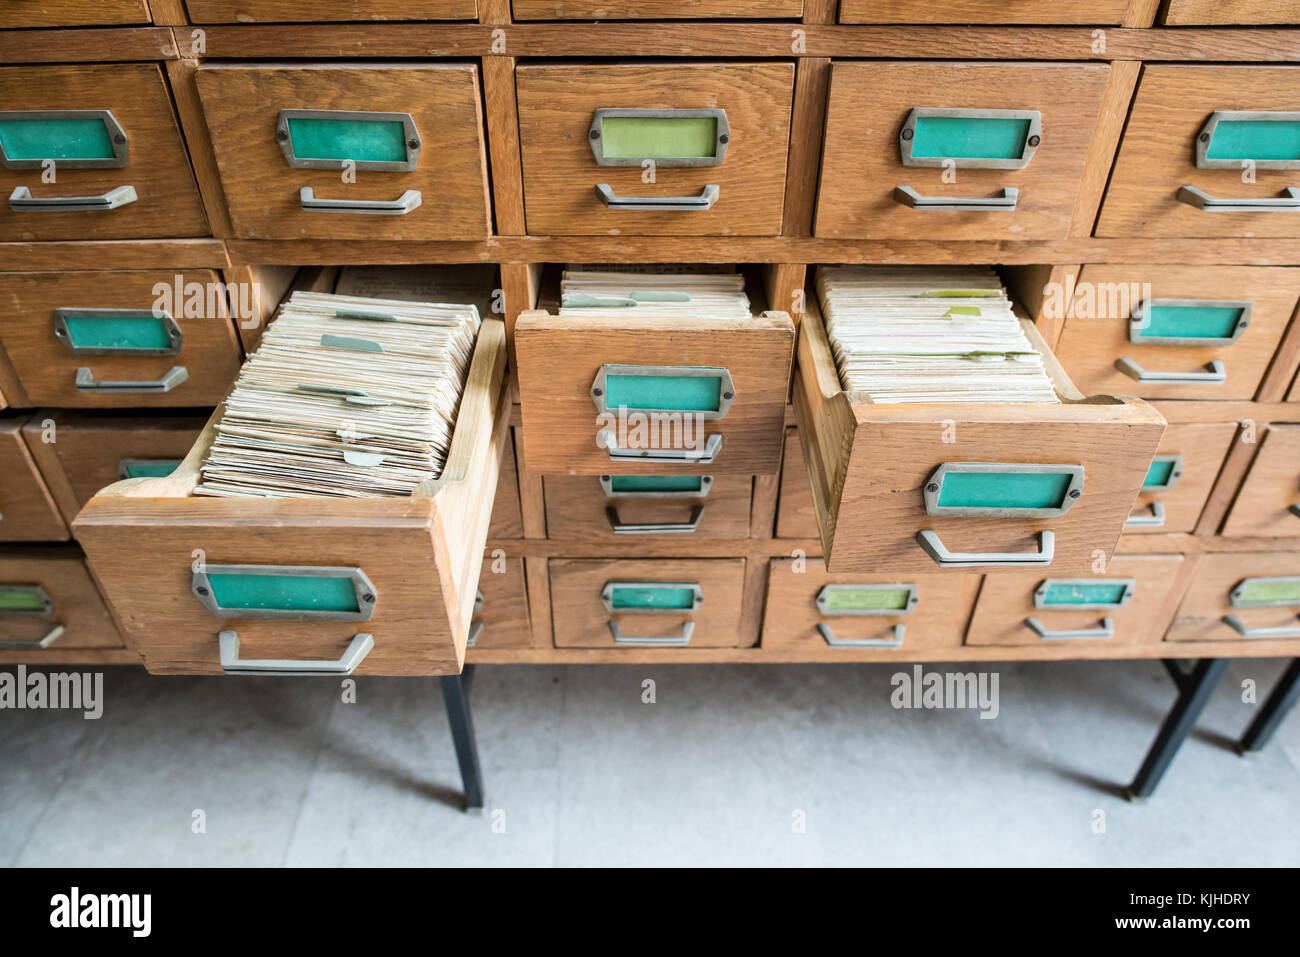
[916,488]
[306,585]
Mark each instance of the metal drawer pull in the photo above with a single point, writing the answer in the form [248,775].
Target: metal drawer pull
[1006,203]
[1288,200]
[408,201]
[688,628]
[170,380]
[828,636]
[934,547]
[705,456]
[21,200]
[231,664]
[1295,510]
[43,642]
[653,528]
[671,204]
[1155,520]
[1105,630]
[1284,631]
[475,632]
[1215,373]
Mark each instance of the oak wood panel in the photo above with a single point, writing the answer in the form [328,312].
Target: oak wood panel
[762,511]
[1203,448]
[1200,616]
[803,166]
[655,9]
[111,254]
[556,104]
[28,512]
[581,620]
[92,657]
[75,13]
[1105,143]
[1272,488]
[862,164]
[502,118]
[112,44]
[575,509]
[1240,455]
[795,515]
[539,601]
[505,604]
[272,11]
[76,604]
[182,78]
[268,287]
[507,519]
[1216,13]
[982,11]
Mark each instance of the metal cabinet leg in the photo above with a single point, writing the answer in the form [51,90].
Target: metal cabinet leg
[455,694]
[1195,689]
[1280,700]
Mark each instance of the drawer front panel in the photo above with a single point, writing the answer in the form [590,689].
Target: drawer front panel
[795,515]
[349,152]
[28,512]
[1268,503]
[281,11]
[1180,478]
[1021,131]
[1183,169]
[705,141]
[647,507]
[76,13]
[48,603]
[501,621]
[1123,606]
[1156,331]
[811,609]
[122,339]
[638,603]
[1241,597]
[655,9]
[1101,12]
[1188,13]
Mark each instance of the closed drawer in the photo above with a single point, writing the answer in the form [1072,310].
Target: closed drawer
[28,512]
[1211,13]
[81,453]
[635,603]
[49,604]
[1176,332]
[1180,477]
[403,570]
[1124,606]
[647,507]
[501,616]
[703,145]
[341,151]
[75,13]
[289,11]
[982,11]
[1208,151]
[795,515]
[119,168]
[880,473]
[655,9]
[811,609]
[119,339]
[1020,133]
[1241,597]
[607,395]
[507,515]
[1268,503]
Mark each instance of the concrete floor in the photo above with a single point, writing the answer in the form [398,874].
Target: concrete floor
[719,771]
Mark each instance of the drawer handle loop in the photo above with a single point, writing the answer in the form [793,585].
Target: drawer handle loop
[1006,203]
[670,204]
[653,528]
[44,641]
[228,641]
[1288,200]
[173,377]
[1215,373]
[705,456]
[688,628]
[1155,520]
[21,200]
[1105,630]
[1283,631]
[408,201]
[828,636]
[932,545]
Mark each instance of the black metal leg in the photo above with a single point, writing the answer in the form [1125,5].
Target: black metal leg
[455,694]
[1280,700]
[1195,689]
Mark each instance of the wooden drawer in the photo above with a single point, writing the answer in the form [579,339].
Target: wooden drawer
[1100,12]
[1125,606]
[1024,130]
[507,515]
[419,556]
[1157,331]
[1180,478]
[74,13]
[655,9]
[281,135]
[121,170]
[694,603]
[647,507]
[563,361]
[117,339]
[795,515]
[290,11]
[28,512]
[49,604]
[501,618]
[1240,597]
[1268,503]
[735,152]
[808,608]
[873,466]
[81,453]
[1159,174]
[1189,13]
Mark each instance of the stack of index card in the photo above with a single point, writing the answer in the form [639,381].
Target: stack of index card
[650,291]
